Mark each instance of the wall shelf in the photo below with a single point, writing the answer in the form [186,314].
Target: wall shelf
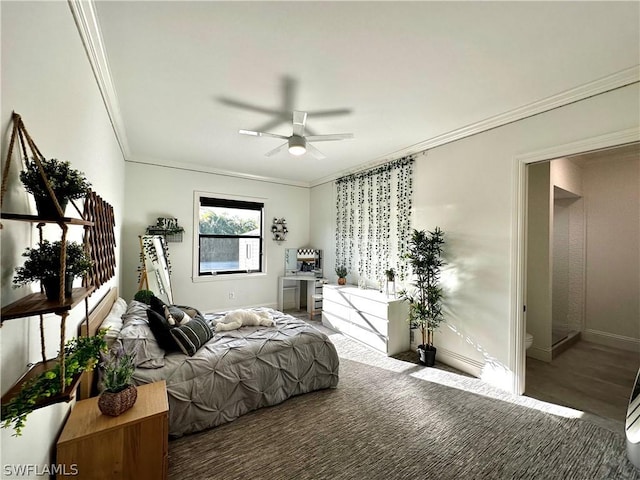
[38,304]
[35,370]
[37,219]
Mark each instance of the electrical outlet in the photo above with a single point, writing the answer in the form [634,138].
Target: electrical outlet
[232,295]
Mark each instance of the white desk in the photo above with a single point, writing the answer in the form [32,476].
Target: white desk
[311,283]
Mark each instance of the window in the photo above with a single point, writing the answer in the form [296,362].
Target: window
[230,236]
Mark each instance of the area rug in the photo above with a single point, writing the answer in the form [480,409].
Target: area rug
[383,422]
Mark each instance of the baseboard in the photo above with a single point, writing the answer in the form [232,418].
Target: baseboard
[566,344]
[611,340]
[541,354]
[455,360]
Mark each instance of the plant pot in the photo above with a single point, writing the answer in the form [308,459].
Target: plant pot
[46,207]
[116,403]
[52,286]
[427,355]
[342,281]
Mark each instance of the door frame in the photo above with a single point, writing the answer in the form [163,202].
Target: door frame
[517,351]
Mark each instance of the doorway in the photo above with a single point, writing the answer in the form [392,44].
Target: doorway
[583,279]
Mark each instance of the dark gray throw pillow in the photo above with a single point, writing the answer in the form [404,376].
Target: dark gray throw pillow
[157,305]
[162,331]
[191,336]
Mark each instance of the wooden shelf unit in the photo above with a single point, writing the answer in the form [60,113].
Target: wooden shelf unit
[39,304]
[35,370]
[98,221]
[36,219]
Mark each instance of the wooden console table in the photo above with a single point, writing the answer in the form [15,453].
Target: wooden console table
[131,446]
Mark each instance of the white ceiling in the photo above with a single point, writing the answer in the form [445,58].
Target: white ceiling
[408,72]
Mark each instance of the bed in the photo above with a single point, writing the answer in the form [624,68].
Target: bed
[233,373]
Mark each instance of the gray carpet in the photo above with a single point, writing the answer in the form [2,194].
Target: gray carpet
[390,419]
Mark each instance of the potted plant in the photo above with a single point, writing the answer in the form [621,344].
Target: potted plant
[391,279]
[342,273]
[143,296]
[390,274]
[81,354]
[119,393]
[66,183]
[425,299]
[43,264]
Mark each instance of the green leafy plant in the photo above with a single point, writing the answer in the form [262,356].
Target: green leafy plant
[81,354]
[66,182]
[390,274]
[143,296]
[44,262]
[425,299]
[118,369]
[341,271]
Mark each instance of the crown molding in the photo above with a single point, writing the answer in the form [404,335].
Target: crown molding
[192,167]
[617,80]
[84,15]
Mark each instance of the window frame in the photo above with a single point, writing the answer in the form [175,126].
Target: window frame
[229,201]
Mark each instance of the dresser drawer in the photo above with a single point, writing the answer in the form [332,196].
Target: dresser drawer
[368,316]
[368,337]
[336,295]
[377,309]
[369,322]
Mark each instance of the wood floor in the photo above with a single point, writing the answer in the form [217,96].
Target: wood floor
[589,377]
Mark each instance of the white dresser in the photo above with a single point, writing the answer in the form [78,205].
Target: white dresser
[368,316]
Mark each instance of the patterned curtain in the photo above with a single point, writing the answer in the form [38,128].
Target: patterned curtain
[373,219]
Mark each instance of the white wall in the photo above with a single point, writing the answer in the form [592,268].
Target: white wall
[612,192]
[46,78]
[539,265]
[467,188]
[568,245]
[155,191]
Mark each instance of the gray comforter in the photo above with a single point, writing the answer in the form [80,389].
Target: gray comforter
[243,370]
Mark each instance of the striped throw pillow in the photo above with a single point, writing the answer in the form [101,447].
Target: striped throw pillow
[192,335]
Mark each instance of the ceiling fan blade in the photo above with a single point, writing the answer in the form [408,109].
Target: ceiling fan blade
[271,153]
[325,138]
[279,119]
[247,106]
[328,113]
[315,152]
[261,134]
[299,122]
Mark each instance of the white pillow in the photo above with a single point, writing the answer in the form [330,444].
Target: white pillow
[113,322]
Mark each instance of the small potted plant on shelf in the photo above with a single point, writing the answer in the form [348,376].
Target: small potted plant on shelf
[342,273]
[425,299]
[66,183]
[43,264]
[119,393]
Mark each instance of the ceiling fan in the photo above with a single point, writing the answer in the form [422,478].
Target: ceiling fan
[298,144]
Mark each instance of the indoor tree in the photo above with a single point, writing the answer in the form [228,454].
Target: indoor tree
[424,253]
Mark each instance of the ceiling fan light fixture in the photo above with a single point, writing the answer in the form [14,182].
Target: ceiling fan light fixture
[297,145]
